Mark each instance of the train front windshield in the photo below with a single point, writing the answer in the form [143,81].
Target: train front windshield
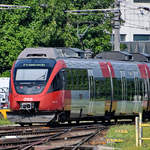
[30,77]
[31,74]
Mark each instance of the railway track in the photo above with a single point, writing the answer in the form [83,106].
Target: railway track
[42,138]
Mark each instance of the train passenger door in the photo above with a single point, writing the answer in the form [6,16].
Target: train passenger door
[131,93]
[147,82]
[108,75]
[131,98]
[124,93]
[77,87]
[137,99]
[112,108]
[121,94]
[91,92]
[145,76]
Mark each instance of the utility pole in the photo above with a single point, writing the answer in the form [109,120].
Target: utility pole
[117,26]
[116,19]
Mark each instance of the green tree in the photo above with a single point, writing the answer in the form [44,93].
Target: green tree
[46,24]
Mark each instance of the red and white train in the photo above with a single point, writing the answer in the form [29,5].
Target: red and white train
[55,84]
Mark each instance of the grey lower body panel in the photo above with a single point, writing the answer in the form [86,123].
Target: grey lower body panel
[21,118]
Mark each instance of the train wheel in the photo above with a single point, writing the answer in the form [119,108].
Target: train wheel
[52,123]
[95,121]
[116,120]
[30,124]
[22,124]
[77,121]
[69,122]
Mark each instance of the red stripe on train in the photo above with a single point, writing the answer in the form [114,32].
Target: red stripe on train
[148,70]
[112,70]
[105,70]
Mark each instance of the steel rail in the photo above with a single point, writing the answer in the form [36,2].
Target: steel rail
[44,140]
[51,135]
[87,138]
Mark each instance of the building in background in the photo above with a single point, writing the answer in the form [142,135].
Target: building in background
[4,86]
[135,31]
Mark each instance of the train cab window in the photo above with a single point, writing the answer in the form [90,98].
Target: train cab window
[57,83]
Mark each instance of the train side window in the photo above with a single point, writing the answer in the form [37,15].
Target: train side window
[76,79]
[137,89]
[141,90]
[130,89]
[85,82]
[68,79]
[103,89]
[145,89]
[76,74]
[108,88]
[124,88]
[97,90]
[80,80]
[117,89]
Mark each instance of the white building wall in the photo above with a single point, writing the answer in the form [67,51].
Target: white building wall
[4,86]
[137,20]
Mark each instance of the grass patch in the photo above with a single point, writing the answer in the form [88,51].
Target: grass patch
[5,122]
[129,141]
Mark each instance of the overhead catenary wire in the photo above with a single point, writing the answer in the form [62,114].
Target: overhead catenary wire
[85,14]
[3,6]
[135,15]
[137,27]
[126,7]
[92,10]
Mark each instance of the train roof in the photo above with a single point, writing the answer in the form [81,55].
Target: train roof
[51,53]
[130,69]
[120,61]
[63,52]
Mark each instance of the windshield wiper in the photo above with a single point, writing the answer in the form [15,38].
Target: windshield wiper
[43,77]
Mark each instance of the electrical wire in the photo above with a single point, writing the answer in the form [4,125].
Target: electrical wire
[129,11]
[3,6]
[136,27]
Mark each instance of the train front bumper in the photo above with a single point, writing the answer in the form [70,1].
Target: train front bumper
[27,118]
